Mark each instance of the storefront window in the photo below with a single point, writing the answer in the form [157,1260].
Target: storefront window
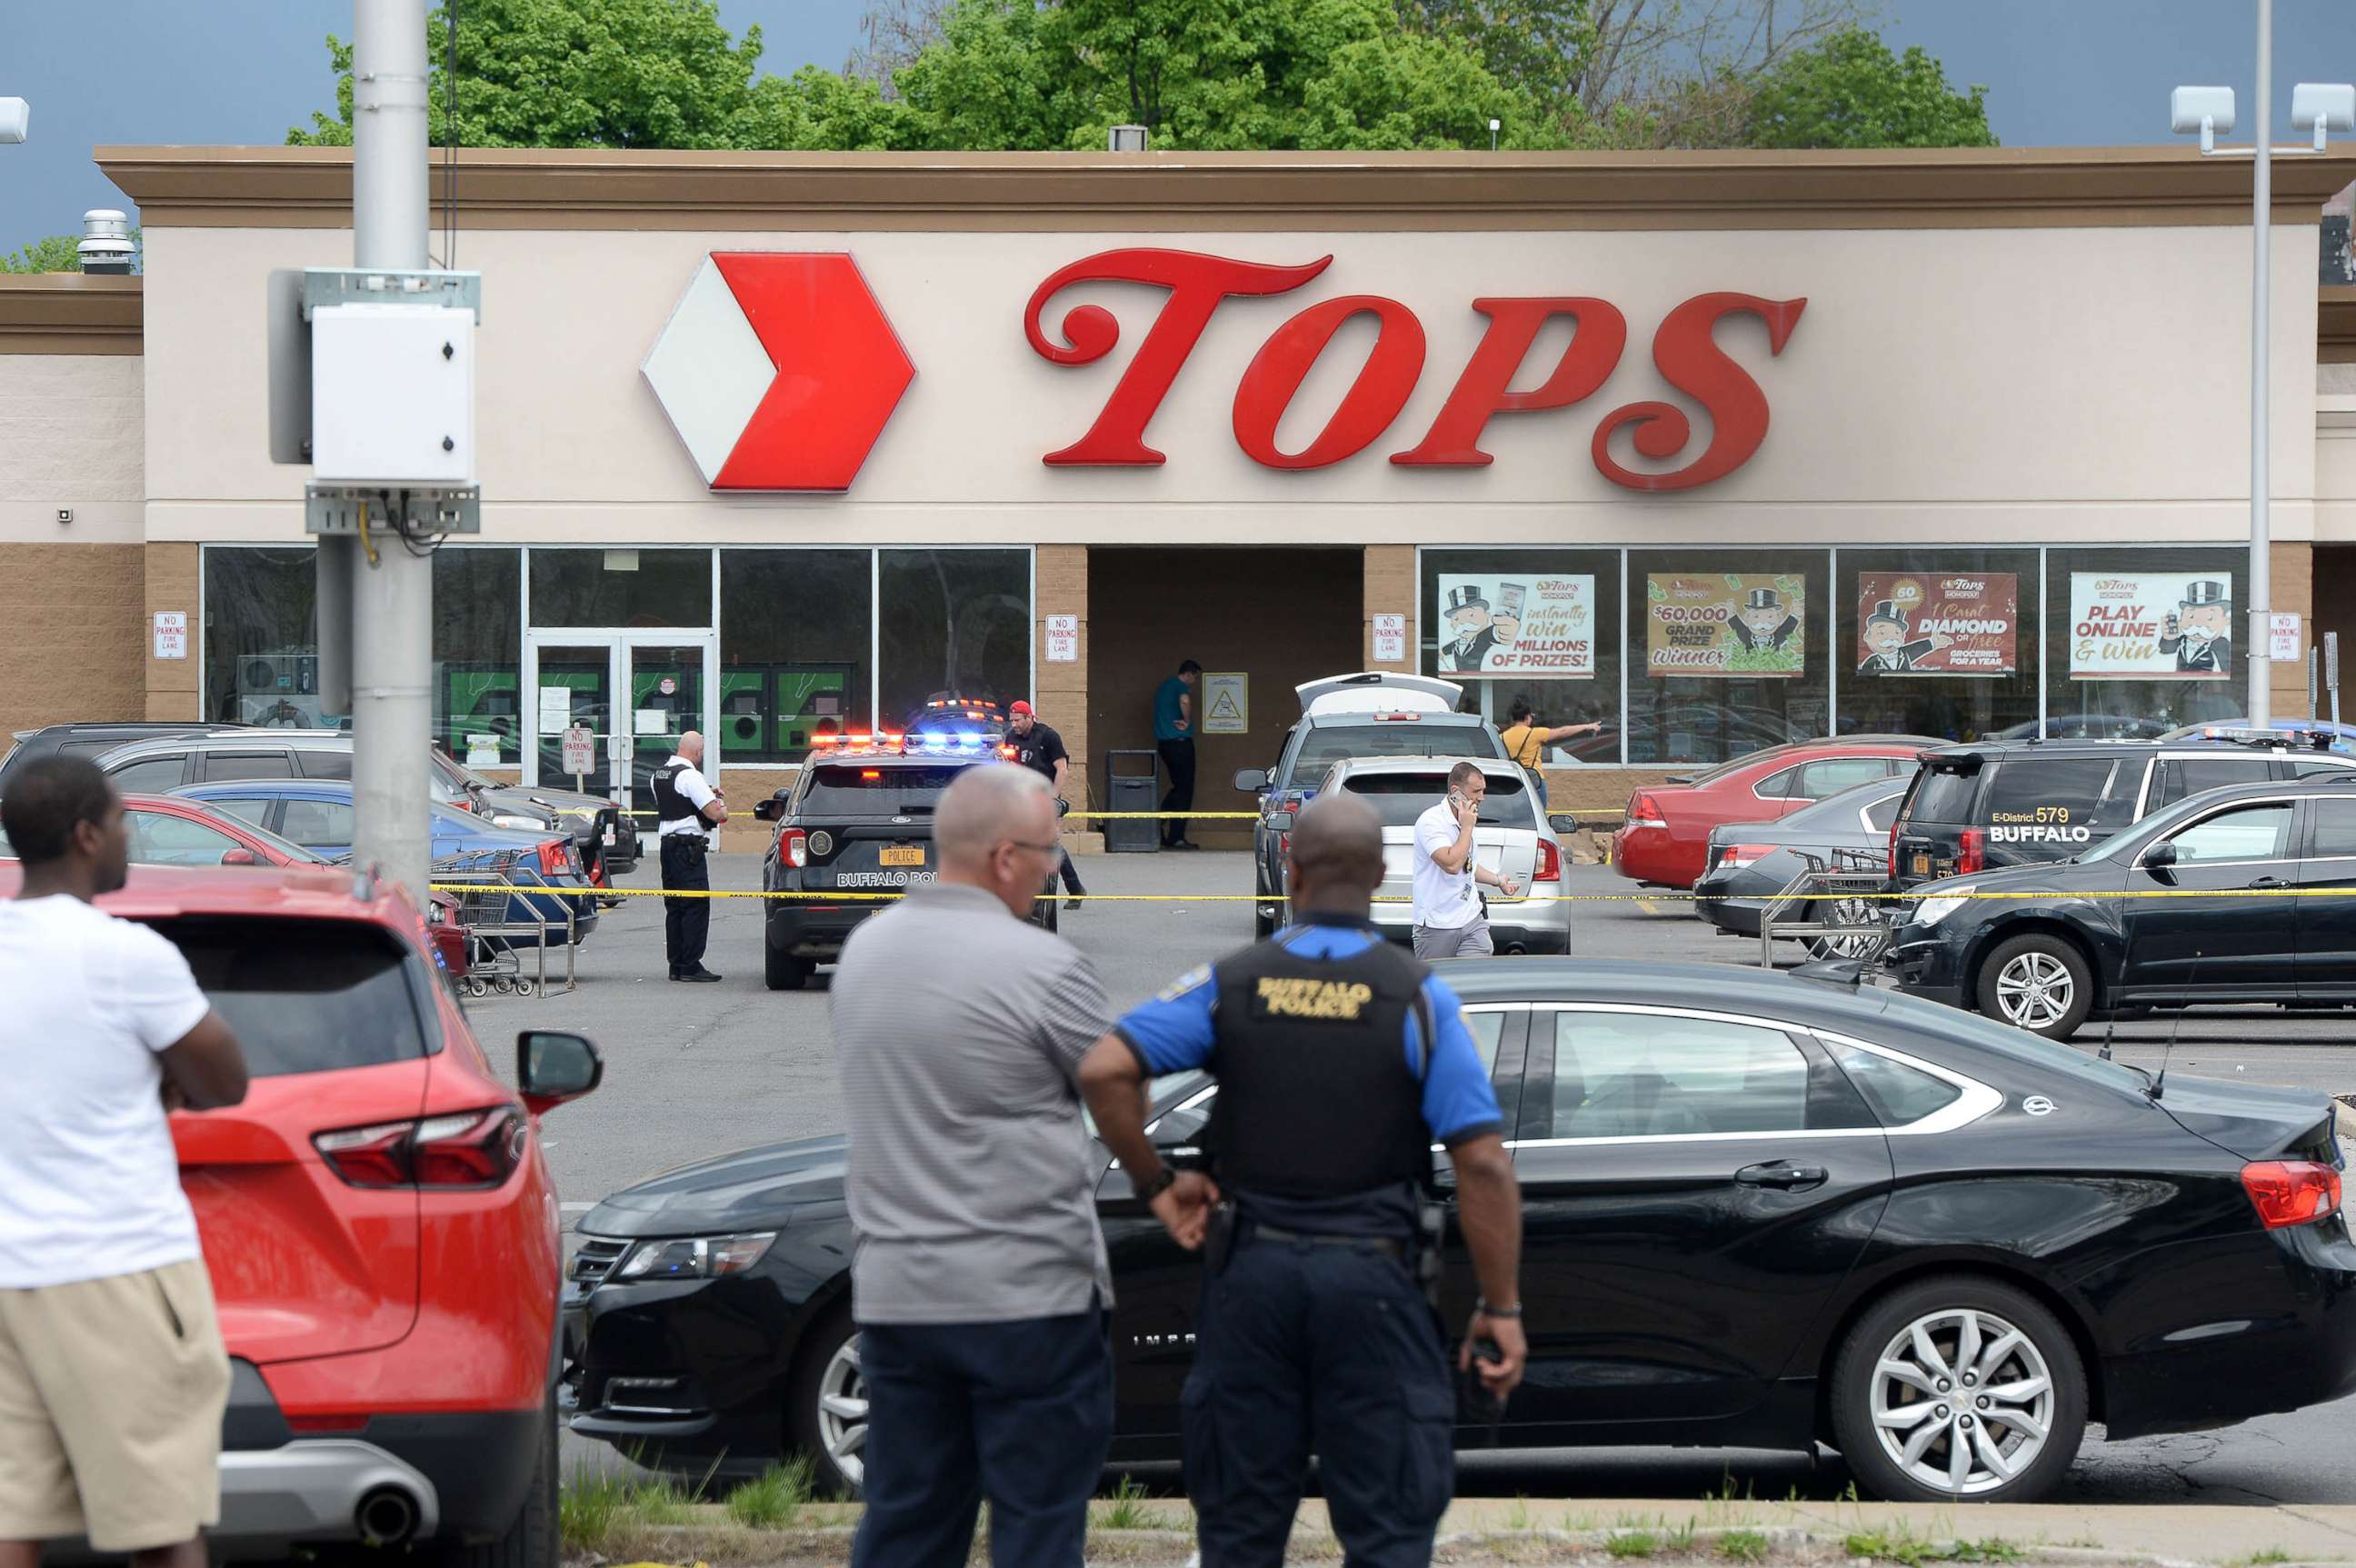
[953,622]
[2143,640]
[477,651]
[1538,626]
[621,587]
[1938,642]
[795,634]
[1728,651]
[260,639]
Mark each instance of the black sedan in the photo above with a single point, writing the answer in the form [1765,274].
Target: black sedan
[2217,898]
[1749,863]
[1761,1210]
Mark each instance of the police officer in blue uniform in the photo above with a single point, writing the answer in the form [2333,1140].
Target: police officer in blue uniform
[1340,1060]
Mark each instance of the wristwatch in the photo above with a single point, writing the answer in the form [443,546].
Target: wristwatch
[1154,1185]
[1483,1309]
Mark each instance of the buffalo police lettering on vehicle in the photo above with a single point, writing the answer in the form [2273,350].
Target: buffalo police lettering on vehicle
[2038,1105]
[2046,824]
[1286,998]
[882,878]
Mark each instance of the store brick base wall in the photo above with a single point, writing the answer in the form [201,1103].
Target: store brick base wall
[172,572]
[70,642]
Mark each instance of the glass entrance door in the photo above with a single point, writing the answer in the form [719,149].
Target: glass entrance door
[635,692]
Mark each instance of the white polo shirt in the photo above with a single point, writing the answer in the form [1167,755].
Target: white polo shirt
[697,792]
[1444,899]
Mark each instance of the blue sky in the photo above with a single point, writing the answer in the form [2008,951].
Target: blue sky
[2059,73]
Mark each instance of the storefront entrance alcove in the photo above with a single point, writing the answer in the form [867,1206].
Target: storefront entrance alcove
[1275,617]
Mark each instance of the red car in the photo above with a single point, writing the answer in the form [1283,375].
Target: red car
[1663,840]
[379,1222]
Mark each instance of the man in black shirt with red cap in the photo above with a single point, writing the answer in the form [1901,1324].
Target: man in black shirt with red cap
[1038,747]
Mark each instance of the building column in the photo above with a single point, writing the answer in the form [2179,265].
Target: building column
[173,685]
[1060,578]
[2291,569]
[1391,590]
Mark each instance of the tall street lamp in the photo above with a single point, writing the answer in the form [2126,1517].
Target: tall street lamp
[2208,111]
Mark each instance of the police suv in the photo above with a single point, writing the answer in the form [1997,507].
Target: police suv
[1996,803]
[859,821]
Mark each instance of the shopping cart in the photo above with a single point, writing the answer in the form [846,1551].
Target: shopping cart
[504,919]
[1828,905]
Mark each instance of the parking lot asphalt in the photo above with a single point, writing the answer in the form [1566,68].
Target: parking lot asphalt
[693,1070]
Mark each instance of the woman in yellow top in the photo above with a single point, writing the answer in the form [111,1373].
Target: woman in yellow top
[1526,740]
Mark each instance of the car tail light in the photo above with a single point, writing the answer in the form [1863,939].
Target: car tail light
[2291,1192]
[552,855]
[1644,811]
[1893,851]
[793,847]
[1398,718]
[1733,855]
[1971,853]
[466,1150]
[1550,862]
[1283,845]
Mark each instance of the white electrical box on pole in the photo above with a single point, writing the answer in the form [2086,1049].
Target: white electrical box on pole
[372,384]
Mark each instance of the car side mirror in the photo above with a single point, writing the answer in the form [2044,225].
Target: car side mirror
[552,1068]
[1279,822]
[1250,780]
[768,811]
[2159,854]
[238,857]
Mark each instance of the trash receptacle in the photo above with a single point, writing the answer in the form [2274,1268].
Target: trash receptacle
[1132,782]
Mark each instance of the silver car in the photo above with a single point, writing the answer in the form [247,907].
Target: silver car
[1512,838]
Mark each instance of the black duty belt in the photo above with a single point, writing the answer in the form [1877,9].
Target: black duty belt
[1383,1245]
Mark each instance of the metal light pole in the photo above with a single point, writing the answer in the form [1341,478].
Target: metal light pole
[2261,252]
[392,596]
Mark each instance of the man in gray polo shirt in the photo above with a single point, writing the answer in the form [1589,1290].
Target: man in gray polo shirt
[978,1279]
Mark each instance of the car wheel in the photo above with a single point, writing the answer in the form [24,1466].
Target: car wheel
[1846,912]
[532,1540]
[826,1410]
[783,970]
[1958,1389]
[2040,983]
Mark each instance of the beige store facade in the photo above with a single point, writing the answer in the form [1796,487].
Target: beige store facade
[1995,392]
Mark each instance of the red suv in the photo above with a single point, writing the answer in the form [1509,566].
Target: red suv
[379,1222]
[1664,838]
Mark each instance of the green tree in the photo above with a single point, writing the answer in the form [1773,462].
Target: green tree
[1851,92]
[1535,44]
[56,254]
[578,73]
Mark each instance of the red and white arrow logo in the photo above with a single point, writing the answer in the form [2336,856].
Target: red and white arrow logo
[778,370]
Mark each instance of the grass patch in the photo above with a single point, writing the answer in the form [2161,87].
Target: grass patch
[1633,1544]
[775,1501]
[1897,1542]
[2271,1555]
[587,1507]
[1744,1545]
[1518,1516]
[1126,1510]
[660,1501]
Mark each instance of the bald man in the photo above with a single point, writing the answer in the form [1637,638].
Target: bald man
[1341,1059]
[690,808]
[977,1277]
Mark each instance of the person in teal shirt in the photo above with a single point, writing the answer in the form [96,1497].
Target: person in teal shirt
[1174,738]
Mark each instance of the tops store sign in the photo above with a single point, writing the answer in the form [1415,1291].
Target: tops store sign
[779,370]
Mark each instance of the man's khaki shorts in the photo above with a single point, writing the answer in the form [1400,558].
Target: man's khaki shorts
[111,1400]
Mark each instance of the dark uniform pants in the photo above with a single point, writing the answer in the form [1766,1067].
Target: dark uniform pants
[1325,1349]
[686,922]
[1020,1411]
[1178,757]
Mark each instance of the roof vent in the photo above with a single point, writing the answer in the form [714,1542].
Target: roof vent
[106,244]
[1126,139]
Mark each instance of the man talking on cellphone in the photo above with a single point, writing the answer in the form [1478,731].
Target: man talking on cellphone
[1450,921]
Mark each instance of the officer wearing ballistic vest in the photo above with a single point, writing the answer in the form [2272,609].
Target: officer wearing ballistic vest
[690,808]
[1341,1059]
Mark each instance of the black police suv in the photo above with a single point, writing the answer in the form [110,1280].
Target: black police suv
[1760,1210]
[1376,714]
[2210,900]
[1995,803]
[859,820]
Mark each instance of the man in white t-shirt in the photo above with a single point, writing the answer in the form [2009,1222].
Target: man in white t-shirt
[1450,921]
[113,1375]
[688,807]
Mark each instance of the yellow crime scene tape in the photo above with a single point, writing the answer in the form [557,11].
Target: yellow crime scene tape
[1524,901]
